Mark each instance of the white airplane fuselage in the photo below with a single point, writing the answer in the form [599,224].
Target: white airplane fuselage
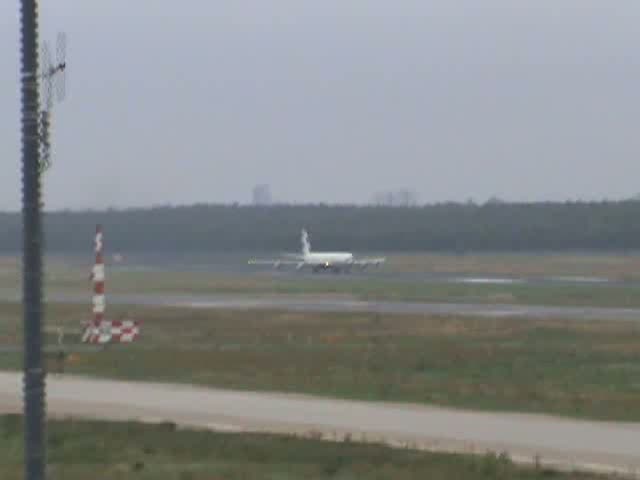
[328,259]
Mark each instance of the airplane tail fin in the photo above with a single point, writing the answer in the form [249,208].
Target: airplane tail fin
[306,246]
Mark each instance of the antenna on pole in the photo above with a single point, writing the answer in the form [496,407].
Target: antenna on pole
[53,78]
[61,68]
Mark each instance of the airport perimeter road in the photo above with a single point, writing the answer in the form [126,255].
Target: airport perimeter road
[567,443]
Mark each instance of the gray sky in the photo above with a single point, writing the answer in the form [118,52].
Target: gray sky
[333,100]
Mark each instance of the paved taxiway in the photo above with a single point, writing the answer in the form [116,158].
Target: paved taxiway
[328,303]
[597,445]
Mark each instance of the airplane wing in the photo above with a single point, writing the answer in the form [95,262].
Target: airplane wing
[276,263]
[295,256]
[365,262]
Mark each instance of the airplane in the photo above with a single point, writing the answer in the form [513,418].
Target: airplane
[321,261]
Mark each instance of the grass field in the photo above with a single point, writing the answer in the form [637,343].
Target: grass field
[574,368]
[67,278]
[606,265]
[79,450]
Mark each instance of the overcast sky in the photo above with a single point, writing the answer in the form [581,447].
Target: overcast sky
[174,102]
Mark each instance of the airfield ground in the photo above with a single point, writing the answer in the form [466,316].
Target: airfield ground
[621,266]
[575,368]
[136,451]
[560,280]
[612,266]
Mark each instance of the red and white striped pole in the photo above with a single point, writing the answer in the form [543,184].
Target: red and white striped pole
[92,331]
[99,330]
[98,280]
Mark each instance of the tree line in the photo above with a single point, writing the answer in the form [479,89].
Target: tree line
[452,227]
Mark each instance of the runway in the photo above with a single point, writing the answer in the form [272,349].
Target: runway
[336,303]
[560,442]
[344,305]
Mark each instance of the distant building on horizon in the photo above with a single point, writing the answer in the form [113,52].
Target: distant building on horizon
[262,194]
[399,198]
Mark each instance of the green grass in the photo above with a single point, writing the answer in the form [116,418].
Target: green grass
[607,265]
[78,450]
[586,369]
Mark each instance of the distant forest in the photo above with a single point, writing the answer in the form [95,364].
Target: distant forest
[452,227]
